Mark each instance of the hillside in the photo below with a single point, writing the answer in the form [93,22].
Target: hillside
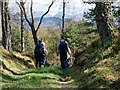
[18,72]
[15,61]
[87,37]
[98,66]
[91,70]
[48,22]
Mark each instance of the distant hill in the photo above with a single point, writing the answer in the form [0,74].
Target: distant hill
[48,22]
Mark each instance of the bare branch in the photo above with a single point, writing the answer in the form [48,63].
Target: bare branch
[22,8]
[25,14]
[19,5]
[25,2]
[45,14]
[32,12]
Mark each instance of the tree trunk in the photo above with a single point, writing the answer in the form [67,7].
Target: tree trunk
[9,33]
[3,24]
[63,17]
[104,20]
[31,24]
[22,32]
[6,28]
[34,33]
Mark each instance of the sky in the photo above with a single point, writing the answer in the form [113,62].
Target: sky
[74,8]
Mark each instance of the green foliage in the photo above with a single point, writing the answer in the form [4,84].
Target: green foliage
[99,66]
[72,34]
[97,51]
[51,39]
[29,43]
[116,41]
[95,72]
[116,12]
[90,15]
[79,34]
[16,40]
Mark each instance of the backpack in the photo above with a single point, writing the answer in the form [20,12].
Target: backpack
[63,48]
[39,49]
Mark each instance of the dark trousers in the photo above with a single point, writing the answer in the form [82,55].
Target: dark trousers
[37,57]
[63,64]
[40,59]
[43,59]
[63,58]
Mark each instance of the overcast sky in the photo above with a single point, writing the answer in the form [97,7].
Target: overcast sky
[73,7]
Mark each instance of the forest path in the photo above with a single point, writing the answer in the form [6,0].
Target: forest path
[47,77]
[18,72]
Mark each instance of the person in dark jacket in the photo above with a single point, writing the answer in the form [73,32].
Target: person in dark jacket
[38,53]
[63,49]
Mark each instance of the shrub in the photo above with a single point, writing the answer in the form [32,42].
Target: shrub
[79,34]
[16,40]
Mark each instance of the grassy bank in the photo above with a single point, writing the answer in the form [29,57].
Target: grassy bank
[96,67]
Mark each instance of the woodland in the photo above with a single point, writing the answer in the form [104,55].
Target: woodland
[94,41]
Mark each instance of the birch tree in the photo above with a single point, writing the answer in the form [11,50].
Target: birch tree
[31,23]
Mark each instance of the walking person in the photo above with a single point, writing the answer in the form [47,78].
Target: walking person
[63,49]
[38,53]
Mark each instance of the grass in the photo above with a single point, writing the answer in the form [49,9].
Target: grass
[18,72]
[48,77]
[98,75]
[96,67]
[99,67]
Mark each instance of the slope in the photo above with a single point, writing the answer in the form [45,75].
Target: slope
[95,67]
[99,66]
[17,71]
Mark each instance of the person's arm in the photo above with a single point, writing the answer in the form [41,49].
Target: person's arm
[45,50]
[69,51]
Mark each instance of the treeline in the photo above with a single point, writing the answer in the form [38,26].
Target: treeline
[6,27]
[103,15]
